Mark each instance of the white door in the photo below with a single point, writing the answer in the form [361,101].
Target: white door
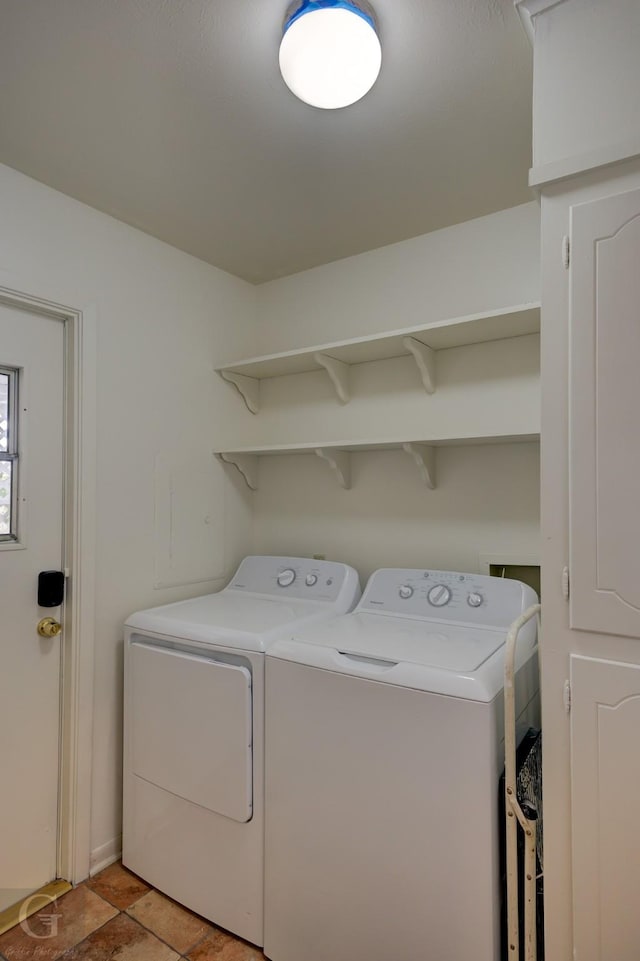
[31,505]
[604,400]
[605,772]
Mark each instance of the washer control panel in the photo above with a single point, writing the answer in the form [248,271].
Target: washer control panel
[295,577]
[474,599]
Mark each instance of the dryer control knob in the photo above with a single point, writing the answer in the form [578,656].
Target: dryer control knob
[311,579]
[405,591]
[474,599]
[286,577]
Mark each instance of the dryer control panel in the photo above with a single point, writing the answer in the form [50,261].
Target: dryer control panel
[475,599]
[297,577]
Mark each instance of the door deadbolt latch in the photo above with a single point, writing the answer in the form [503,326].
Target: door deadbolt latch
[49,627]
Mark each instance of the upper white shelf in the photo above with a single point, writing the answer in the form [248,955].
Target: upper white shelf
[422,342]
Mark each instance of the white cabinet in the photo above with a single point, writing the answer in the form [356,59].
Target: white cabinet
[604,406]
[586,67]
[605,771]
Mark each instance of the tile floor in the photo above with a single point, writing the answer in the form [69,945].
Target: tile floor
[115,915]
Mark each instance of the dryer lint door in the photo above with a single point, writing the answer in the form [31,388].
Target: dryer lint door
[191,731]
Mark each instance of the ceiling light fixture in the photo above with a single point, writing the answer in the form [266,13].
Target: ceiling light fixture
[330,54]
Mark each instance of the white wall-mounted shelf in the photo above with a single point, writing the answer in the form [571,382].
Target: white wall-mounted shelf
[338,455]
[421,342]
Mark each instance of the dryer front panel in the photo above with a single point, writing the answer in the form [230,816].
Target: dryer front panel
[191,728]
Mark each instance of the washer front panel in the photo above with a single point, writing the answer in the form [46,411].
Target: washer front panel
[381,821]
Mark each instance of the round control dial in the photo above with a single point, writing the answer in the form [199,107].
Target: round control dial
[439,595]
[474,599]
[286,577]
[311,579]
[405,591]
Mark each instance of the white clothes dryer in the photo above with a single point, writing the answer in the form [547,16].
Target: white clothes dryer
[194,732]
[384,733]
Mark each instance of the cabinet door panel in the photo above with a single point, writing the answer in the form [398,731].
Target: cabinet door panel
[604,407]
[605,720]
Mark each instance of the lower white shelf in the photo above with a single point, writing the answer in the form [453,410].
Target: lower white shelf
[422,451]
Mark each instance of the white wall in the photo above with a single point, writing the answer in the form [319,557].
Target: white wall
[480,265]
[486,502]
[164,319]
[487,497]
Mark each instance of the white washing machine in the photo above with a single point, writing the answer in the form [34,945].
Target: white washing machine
[384,733]
[194,732]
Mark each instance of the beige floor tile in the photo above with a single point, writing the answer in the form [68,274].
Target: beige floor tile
[220,946]
[62,925]
[118,886]
[124,939]
[171,922]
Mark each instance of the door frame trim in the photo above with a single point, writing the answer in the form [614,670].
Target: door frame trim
[79,543]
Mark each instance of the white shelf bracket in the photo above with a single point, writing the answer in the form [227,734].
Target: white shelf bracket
[248,387]
[247,464]
[338,373]
[424,457]
[425,358]
[340,463]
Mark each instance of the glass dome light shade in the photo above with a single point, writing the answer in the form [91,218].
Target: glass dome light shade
[330,56]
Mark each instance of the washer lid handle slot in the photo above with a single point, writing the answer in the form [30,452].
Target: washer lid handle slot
[380,662]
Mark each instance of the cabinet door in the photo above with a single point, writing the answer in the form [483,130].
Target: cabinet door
[604,409]
[605,721]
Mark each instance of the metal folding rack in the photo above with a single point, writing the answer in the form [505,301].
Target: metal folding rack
[516,817]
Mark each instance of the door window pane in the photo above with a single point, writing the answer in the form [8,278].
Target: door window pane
[4,411]
[5,497]
[8,452]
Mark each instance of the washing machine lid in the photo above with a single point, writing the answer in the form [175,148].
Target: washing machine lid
[418,653]
[420,642]
[249,622]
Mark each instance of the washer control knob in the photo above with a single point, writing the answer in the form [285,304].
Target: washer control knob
[439,595]
[474,599]
[311,579]
[405,591]
[286,577]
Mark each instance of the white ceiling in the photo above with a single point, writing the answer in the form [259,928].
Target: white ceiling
[171,115]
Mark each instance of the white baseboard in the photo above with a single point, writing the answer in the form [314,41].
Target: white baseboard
[105,855]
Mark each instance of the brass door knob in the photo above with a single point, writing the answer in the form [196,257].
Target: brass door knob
[49,627]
